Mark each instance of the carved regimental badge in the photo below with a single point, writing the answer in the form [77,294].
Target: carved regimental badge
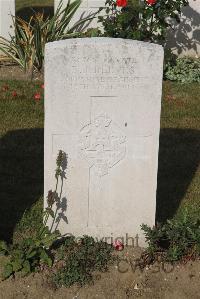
[102,144]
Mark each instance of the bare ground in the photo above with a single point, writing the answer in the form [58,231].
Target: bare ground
[11,71]
[154,282]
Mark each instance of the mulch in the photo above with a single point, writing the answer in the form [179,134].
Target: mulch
[9,70]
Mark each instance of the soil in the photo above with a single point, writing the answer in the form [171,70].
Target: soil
[122,281]
[10,71]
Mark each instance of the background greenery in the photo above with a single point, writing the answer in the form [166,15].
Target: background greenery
[24,8]
[27,46]
[184,70]
[140,20]
[19,4]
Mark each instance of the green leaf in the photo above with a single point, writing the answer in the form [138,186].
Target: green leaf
[8,271]
[3,247]
[50,239]
[45,258]
[26,268]
[50,212]
[17,265]
[31,254]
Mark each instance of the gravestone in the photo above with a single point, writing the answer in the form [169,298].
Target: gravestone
[102,108]
[7,9]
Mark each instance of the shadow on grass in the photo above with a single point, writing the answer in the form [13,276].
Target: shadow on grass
[179,158]
[21,176]
[21,172]
[26,12]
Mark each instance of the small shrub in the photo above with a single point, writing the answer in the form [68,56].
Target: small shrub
[179,238]
[81,259]
[27,46]
[27,256]
[185,70]
[140,20]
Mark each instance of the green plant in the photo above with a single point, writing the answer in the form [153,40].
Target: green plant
[91,32]
[81,259]
[30,253]
[30,223]
[27,46]
[184,70]
[178,239]
[141,20]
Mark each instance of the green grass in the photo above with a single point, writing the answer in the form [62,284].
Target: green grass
[21,152]
[179,155]
[21,155]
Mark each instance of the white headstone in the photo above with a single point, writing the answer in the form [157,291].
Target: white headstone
[102,108]
[7,9]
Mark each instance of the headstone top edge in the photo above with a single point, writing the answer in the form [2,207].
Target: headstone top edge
[100,40]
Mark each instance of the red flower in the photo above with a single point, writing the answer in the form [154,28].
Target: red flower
[118,245]
[14,93]
[37,96]
[121,3]
[42,86]
[151,2]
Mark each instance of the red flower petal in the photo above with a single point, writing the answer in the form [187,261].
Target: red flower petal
[121,3]
[151,2]
[118,245]
[37,96]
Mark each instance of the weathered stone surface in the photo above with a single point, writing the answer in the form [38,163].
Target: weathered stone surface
[7,9]
[102,108]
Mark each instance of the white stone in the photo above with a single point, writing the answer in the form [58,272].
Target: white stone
[184,38]
[7,9]
[102,108]
[86,8]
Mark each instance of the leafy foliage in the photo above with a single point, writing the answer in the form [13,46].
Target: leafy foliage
[177,239]
[30,253]
[140,20]
[81,259]
[28,45]
[3,248]
[27,256]
[185,70]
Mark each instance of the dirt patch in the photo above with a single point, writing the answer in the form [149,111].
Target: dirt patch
[11,71]
[122,281]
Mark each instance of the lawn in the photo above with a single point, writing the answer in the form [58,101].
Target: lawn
[21,154]
[179,154]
